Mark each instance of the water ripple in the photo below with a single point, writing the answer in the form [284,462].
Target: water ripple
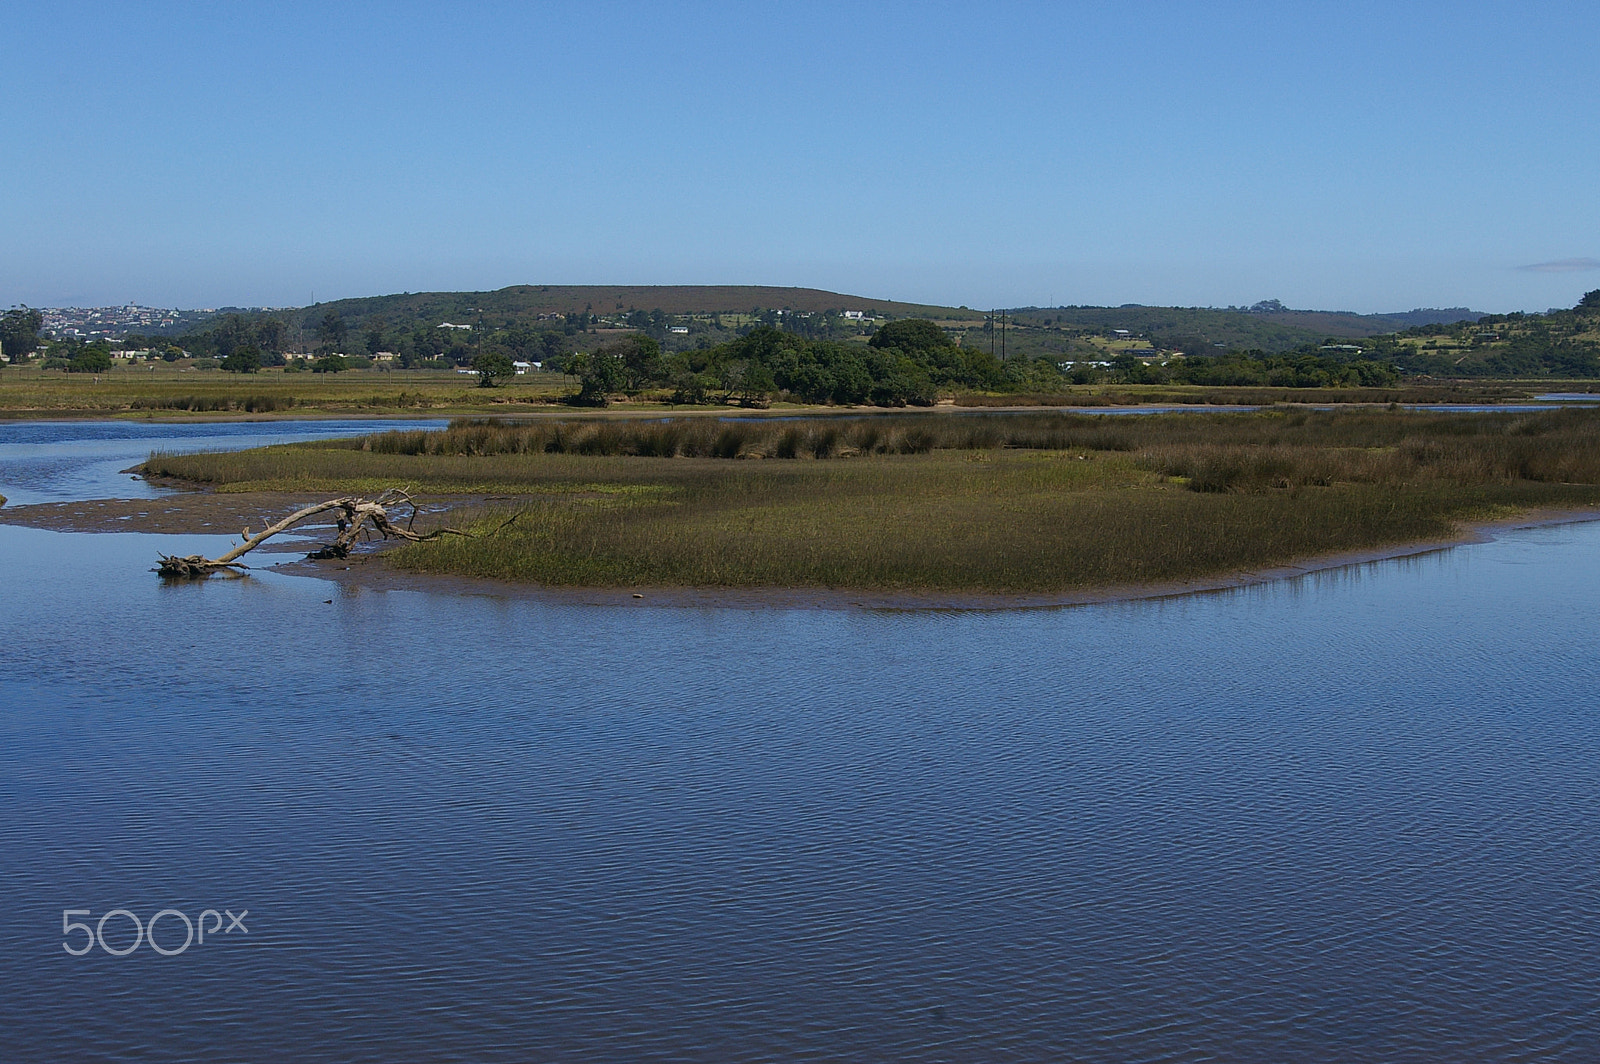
[1343,818]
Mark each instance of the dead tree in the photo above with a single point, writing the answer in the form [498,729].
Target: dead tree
[355,517]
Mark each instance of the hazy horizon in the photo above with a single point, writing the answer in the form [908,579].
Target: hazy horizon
[1354,157]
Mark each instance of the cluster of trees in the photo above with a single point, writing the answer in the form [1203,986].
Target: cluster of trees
[430,346]
[1293,370]
[904,363]
[76,356]
[266,336]
[237,343]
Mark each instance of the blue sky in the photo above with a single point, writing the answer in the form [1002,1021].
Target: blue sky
[1331,155]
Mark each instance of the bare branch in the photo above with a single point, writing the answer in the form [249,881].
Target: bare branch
[355,514]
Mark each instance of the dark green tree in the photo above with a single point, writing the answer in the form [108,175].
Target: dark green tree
[1589,303]
[690,387]
[92,358]
[19,333]
[331,330]
[493,366]
[269,336]
[330,363]
[243,360]
[914,336]
[601,376]
[756,384]
[552,345]
[641,362]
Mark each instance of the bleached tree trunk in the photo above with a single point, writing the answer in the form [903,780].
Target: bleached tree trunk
[355,515]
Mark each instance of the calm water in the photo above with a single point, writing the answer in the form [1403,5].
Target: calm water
[51,461]
[1351,817]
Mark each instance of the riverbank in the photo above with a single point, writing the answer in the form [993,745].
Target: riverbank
[165,393]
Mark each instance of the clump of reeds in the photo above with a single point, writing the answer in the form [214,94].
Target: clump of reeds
[252,404]
[787,438]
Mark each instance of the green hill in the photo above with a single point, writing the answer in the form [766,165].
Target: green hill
[551,321]
[693,315]
[527,304]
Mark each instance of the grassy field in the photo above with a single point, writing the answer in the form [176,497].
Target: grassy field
[167,392]
[1005,503]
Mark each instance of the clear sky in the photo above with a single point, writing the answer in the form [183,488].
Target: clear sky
[1346,155]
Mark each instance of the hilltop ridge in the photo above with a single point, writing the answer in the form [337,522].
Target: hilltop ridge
[1267,326]
[521,303]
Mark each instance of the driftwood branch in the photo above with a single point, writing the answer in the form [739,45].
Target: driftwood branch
[355,517]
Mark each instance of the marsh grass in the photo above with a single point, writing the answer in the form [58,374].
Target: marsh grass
[1002,503]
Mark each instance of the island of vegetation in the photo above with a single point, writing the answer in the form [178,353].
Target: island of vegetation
[1009,503]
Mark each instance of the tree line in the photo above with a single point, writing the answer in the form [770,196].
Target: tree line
[904,363]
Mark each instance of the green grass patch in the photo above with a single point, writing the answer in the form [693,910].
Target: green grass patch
[1001,503]
[167,392]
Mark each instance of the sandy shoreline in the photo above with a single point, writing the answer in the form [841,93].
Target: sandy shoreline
[210,513]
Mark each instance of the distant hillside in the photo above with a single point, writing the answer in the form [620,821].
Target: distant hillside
[1349,325]
[525,304]
[1268,326]
[565,318]
[1561,343]
[1424,316]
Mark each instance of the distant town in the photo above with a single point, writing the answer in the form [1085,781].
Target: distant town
[114,323]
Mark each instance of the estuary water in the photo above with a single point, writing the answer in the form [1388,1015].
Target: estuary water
[1353,816]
